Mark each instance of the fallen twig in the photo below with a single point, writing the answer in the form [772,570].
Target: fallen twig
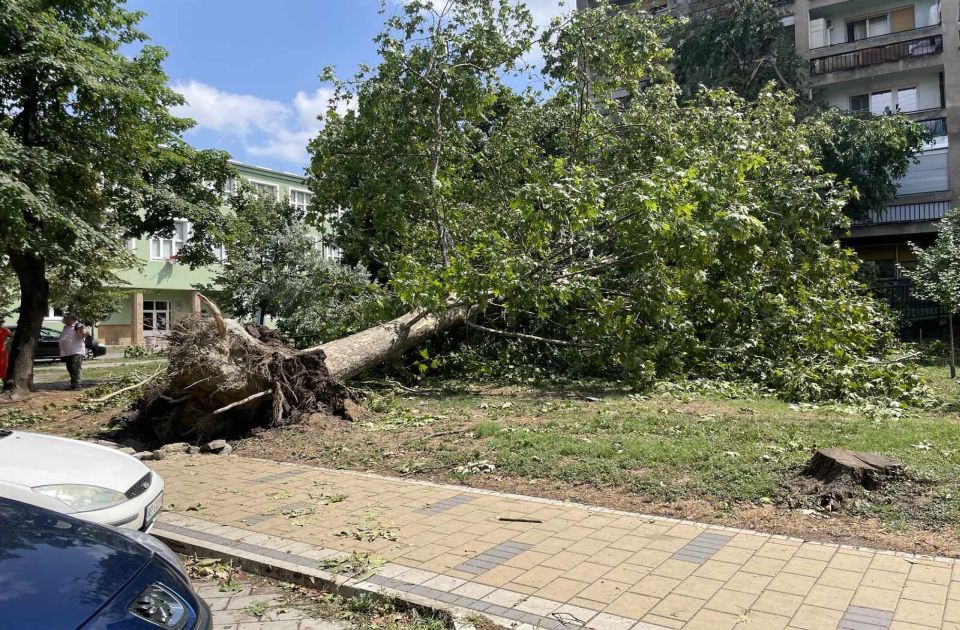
[127,389]
[442,433]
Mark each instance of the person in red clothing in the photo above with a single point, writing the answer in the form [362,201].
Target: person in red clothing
[5,334]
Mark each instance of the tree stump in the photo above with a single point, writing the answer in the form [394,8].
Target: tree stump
[841,473]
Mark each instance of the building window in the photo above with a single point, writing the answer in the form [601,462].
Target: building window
[54,313]
[907,99]
[860,103]
[881,102]
[156,315]
[263,188]
[230,186]
[332,253]
[869,27]
[220,253]
[167,248]
[300,199]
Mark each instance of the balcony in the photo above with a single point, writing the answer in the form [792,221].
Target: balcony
[906,213]
[865,57]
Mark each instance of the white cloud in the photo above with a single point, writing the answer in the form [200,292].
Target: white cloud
[265,127]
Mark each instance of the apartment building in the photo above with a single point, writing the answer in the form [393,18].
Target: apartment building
[877,57]
[163,291]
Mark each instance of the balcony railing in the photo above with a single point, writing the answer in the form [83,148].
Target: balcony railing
[899,295]
[907,213]
[865,57]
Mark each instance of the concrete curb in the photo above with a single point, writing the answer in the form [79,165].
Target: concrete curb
[304,576]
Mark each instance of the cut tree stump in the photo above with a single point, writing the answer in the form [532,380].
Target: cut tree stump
[841,473]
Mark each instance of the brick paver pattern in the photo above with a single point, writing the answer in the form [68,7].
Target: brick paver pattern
[258,608]
[528,562]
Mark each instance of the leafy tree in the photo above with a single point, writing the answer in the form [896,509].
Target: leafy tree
[89,153]
[936,275]
[9,292]
[679,235]
[274,269]
[742,46]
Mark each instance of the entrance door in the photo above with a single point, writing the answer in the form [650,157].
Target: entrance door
[156,317]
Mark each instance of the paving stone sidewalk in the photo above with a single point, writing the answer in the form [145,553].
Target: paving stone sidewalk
[535,563]
[236,610]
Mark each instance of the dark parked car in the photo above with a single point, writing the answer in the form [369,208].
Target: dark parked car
[49,347]
[57,572]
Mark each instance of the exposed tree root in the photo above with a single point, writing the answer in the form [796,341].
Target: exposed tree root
[224,377]
[219,386]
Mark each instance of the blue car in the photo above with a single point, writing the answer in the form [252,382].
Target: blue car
[60,573]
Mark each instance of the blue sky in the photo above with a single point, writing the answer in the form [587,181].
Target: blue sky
[249,69]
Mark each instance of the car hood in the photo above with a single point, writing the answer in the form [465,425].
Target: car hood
[31,459]
[57,571]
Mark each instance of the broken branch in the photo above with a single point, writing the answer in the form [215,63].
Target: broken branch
[241,402]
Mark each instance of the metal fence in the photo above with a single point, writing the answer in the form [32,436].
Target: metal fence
[907,213]
[899,295]
[878,54]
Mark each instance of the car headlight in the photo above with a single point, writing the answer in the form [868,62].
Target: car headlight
[160,606]
[83,498]
[155,546]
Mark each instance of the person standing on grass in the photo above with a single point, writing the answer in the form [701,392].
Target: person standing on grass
[73,347]
[5,334]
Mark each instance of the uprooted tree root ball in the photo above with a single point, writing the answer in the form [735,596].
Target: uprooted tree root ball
[225,377]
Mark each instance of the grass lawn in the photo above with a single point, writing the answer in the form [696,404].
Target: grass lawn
[96,369]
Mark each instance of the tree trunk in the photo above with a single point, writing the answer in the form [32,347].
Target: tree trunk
[224,378]
[953,353]
[34,296]
[349,356]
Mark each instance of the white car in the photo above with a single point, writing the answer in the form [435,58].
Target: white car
[91,482]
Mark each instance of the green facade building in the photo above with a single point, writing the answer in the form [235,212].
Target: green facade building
[162,292]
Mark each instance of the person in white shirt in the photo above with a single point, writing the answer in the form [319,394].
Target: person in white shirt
[73,347]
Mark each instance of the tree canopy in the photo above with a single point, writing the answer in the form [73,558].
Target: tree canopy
[89,151]
[742,46]
[936,274]
[274,268]
[675,235]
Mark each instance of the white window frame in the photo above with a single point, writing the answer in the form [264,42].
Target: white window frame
[159,240]
[896,98]
[219,253]
[259,182]
[153,312]
[292,189]
[52,313]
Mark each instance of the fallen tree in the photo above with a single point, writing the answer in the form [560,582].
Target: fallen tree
[676,238]
[224,377]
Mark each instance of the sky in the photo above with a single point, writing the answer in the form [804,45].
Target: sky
[249,69]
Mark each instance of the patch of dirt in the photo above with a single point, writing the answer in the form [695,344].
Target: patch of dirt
[62,417]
